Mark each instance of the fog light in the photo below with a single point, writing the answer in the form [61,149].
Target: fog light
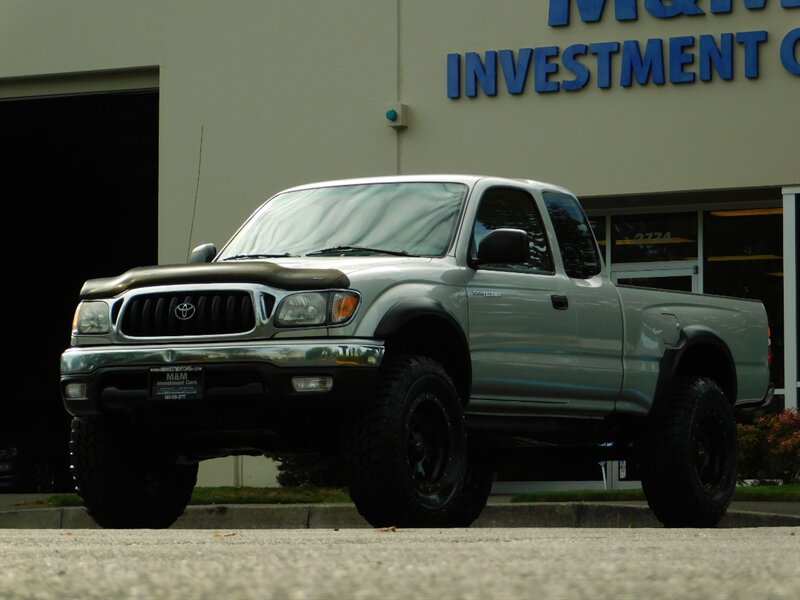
[75,390]
[312,384]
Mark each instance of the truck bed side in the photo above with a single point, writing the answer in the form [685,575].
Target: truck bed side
[667,330]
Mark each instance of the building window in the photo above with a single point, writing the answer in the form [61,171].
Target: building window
[654,237]
[744,258]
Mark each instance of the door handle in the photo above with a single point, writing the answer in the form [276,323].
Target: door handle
[559,302]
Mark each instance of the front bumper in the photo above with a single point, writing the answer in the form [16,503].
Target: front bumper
[311,353]
[245,379]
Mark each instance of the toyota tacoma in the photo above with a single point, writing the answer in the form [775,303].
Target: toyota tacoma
[414,328]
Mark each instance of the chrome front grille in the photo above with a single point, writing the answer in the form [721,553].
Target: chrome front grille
[170,314]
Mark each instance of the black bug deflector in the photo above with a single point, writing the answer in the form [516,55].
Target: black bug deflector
[252,272]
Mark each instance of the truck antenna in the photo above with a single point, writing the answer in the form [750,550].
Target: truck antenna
[196,190]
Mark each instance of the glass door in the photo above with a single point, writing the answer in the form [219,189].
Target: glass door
[656,251]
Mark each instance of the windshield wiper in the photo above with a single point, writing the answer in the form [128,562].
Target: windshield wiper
[246,256]
[338,249]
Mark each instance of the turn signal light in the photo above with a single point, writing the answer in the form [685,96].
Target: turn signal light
[343,306]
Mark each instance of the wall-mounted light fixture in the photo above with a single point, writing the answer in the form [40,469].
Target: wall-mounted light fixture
[397,115]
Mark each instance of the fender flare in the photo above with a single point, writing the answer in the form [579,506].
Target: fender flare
[689,338]
[411,308]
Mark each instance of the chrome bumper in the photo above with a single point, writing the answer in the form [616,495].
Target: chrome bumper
[297,353]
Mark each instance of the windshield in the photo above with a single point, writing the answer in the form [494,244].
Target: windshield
[416,219]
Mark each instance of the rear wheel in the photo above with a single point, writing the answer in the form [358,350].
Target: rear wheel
[405,454]
[125,481]
[690,459]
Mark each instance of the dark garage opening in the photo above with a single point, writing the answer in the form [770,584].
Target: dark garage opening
[80,195]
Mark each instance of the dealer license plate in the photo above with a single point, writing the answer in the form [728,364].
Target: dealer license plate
[176,383]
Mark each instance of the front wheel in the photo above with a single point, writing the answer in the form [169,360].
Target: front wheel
[478,480]
[405,455]
[689,461]
[125,480]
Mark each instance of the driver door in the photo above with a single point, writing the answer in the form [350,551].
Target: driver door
[521,333]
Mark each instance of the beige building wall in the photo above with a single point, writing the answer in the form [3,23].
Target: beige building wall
[284,92]
[291,92]
[237,471]
[720,134]
[257,96]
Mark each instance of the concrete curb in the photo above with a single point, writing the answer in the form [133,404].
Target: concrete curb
[345,516]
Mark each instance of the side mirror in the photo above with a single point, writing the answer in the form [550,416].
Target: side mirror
[505,246]
[203,254]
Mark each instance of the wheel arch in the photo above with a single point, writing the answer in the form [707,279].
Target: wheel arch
[699,352]
[424,326]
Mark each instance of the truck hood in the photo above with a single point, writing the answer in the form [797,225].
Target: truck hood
[301,273]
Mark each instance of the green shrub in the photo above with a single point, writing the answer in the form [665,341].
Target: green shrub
[315,470]
[770,447]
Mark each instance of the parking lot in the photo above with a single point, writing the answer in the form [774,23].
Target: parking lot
[350,563]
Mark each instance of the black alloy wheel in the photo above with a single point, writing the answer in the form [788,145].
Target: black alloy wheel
[405,455]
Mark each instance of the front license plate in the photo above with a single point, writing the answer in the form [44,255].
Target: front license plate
[176,383]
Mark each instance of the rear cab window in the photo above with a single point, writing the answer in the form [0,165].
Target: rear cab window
[574,235]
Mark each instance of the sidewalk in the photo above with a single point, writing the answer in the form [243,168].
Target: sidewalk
[335,516]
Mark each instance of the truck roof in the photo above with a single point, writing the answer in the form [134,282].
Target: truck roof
[469,180]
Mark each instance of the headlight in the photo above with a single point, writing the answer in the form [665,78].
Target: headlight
[316,308]
[303,309]
[91,317]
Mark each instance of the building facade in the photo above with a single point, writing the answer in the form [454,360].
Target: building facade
[676,121]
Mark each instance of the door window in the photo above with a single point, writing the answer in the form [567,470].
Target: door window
[510,208]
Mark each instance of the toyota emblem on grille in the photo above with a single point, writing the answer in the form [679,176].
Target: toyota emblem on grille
[184,311]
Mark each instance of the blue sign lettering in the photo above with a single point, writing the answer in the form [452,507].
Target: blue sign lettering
[603,52]
[591,11]
[789,47]
[713,56]
[573,65]
[543,68]
[477,73]
[454,76]
[642,67]
[673,8]
[685,59]
[515,73]
[678,58]
[751,40]
[726,6]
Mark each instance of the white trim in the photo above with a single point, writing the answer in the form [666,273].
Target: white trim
[680,208]
[790,296]
[85,82]
[701,253]
[661,265]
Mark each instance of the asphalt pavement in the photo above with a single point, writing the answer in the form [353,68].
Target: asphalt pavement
[21,512]
[485,564]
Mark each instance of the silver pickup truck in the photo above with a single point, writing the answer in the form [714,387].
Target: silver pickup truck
[411,327]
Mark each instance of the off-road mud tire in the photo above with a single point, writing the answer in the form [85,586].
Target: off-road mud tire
[405,453]
[124,481]
[689,458]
